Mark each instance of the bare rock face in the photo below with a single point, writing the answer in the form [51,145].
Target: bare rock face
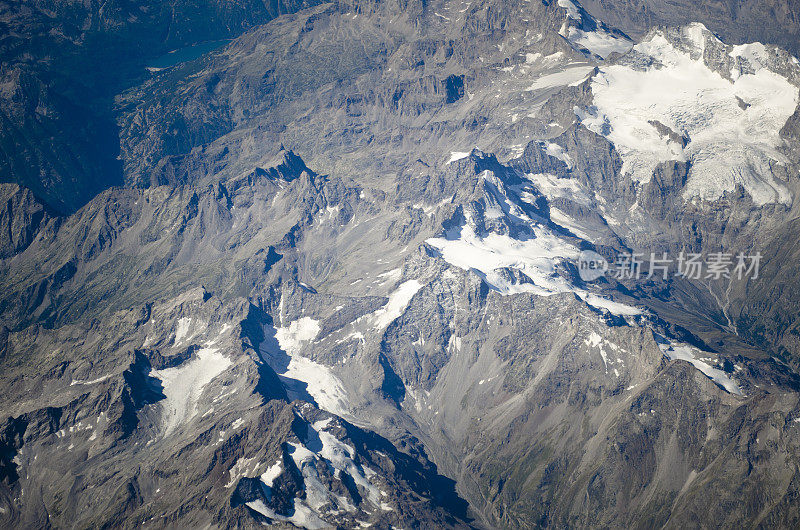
[22,219]
[198,422]
[342,283]
[774,22]
[59,135]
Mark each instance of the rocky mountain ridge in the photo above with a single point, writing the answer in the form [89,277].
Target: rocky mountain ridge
[383,325]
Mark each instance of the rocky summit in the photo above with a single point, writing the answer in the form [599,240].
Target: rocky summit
[443,264]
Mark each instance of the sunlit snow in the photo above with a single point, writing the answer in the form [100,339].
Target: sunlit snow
[457,155]
[535,257]
[182,329]
[398,301]
[183,385]
[684,352]
[732,126]
[321,383]
[599,41]
[570,76]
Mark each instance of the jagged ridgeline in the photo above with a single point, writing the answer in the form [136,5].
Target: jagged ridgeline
[327,267]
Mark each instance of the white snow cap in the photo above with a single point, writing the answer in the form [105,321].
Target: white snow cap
[601,40]
[731,125]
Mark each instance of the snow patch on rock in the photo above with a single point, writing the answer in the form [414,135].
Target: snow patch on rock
[600,42]
[457,155]
[684,352]
[182,330]
[292,337]
[554,187]
[329,450]
[302,517]
[584,32]
[488,255]
[321,383]
[398,301]
[568,77]
[183,385]
[730,127]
